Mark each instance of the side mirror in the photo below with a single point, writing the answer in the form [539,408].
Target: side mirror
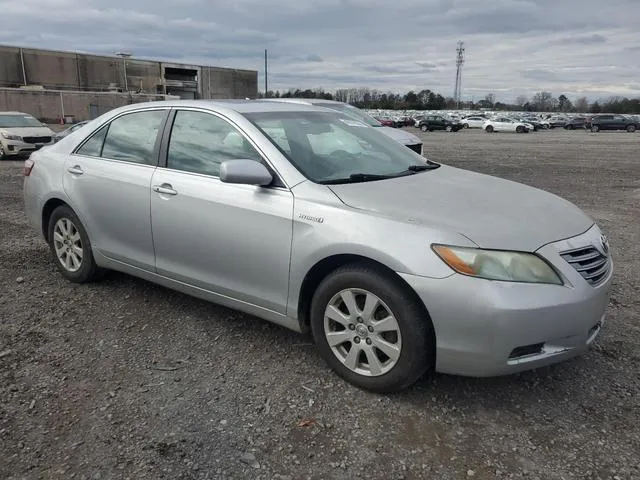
[246,172]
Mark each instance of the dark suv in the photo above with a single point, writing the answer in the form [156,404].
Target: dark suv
[611,122]
[437,122]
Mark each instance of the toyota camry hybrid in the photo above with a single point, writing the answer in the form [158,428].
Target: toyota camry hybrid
[311,219]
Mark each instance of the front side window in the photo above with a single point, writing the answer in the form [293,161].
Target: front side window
[200,142]
[132,137]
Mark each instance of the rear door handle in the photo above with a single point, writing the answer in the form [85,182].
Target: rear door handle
[76,170]
[165,189]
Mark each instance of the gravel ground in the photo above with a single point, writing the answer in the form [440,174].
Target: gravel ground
[124,379]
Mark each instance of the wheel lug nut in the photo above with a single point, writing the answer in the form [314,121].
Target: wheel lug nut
[368,341]
[370,328]
[356,340]
[351,326]
[360,320]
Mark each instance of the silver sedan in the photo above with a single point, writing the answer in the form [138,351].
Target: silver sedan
[310,219]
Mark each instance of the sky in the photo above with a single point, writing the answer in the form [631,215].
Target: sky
[512,47]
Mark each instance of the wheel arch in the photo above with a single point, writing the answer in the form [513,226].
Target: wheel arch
[321,269]
[47,210]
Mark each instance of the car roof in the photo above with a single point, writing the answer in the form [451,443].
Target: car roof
[304,101]
[240,106]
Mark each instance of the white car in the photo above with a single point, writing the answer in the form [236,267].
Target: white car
[21,133]
[473,122]
[504,124]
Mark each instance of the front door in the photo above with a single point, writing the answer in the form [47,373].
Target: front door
[108,179]
[233,240]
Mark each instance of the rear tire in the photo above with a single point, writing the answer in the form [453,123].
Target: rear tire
[465,125]
[595,128]
[631,128]
[364,334]
[449,128]
[424,128]
[569,127]
[2,154]
[519,129]
[489,129]
[71,248]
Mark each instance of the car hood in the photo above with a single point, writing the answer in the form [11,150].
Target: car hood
[492,212]
[400,136]
[29,131]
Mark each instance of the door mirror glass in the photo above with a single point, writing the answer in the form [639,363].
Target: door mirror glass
[246,172]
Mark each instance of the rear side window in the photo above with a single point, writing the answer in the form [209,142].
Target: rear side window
[93,146]
[132,137]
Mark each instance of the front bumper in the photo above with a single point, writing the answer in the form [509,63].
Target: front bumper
[488,328]
[17,147]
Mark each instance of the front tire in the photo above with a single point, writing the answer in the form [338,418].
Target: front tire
[631,128]
[371,329]
[70,246]
[489,129]
[424,128]
[520,129]
[449,128]
[569,127]
[2,154]
[595,128]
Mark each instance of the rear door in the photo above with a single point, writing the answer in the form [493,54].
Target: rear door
[233,240]
[619,122]
[108,181]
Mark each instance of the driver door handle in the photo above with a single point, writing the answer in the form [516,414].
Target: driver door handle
[76,170]
[164,189]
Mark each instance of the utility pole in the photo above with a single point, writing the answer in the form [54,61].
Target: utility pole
[457,93]
[124,56]
[266,82]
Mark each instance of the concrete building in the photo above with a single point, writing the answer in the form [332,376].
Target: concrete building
[76,78]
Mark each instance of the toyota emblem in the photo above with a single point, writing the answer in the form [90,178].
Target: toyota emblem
[605,244]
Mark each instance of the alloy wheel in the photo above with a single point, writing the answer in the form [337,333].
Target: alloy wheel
[68,244]
[362,332]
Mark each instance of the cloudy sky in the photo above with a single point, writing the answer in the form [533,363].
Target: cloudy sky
[513,47]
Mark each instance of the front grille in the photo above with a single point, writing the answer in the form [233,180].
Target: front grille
[36,139]
[416,148]
[589,262]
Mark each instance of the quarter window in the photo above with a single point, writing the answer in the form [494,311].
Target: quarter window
[200,142]
[132,137]
[93,146]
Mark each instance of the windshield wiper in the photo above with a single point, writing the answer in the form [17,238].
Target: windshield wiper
[422,168]
[356,178]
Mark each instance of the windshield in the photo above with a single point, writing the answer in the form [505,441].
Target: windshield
[352,112]
[330,147]
[9,121]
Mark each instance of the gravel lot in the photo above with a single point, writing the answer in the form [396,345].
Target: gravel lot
[124,379]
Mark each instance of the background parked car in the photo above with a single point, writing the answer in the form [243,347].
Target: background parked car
[473,122]
[504,124]
[575,122]
[21,133]
[386,122]
[437,122]
[76,126]
[611,122]
[555,122]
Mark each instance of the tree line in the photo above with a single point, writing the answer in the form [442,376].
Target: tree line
[428,100]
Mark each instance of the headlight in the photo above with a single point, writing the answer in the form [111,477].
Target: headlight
[498,265]
[8,136]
